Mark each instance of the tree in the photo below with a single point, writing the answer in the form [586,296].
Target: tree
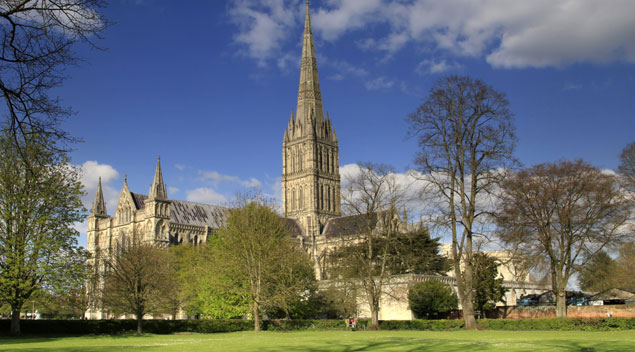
[253,245]
[627,166]
[38,207]
[414,251]
[488,287]
[137,280]
[561,214]
[465,133]
[598,273]
[37,40]
[370,198]
[624,274]
[431,298]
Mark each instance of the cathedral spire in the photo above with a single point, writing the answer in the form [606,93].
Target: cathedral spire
[309,95]
[99,205]
[157,190]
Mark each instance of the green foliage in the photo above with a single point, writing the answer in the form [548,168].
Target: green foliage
[208,288]
[431,298]
[598,273]
[334,302]
[417,253]
[488,287]
[113,327]
[258,265]
[39,204]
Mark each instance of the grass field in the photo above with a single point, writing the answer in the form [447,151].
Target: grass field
[337,341]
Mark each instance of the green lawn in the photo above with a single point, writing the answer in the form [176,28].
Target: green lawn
[337,341]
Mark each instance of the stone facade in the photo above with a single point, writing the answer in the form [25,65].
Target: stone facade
[149,218]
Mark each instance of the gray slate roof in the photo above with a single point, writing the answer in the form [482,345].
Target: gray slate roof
[190,213]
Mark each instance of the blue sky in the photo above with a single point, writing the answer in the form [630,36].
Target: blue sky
[210,85]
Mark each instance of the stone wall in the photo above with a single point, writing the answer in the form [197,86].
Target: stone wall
[618,311]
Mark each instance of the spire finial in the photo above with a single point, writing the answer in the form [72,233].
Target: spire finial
[125,178]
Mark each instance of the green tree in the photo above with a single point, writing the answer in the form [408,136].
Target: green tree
[598,274]
[465,133]
[488,286]
[431,298]
[39,205]
[138,280]
[253,245]
[417,253]
[209,288]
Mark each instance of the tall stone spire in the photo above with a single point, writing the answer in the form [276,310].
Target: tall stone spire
[309,95]
[99,205]
[157,190]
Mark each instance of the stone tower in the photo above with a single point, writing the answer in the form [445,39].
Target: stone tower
[310,156]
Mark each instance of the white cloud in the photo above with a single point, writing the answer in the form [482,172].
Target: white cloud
[90,173]
[205,195]
[216,178]
[506,33]
[379,83]
[433,66]
[179,167]
[172,191]
[263,25]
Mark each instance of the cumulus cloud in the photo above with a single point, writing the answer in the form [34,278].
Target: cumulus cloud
[506,33]
[91,171]
[263,25]
[205,195]
[216,178]
[172,191]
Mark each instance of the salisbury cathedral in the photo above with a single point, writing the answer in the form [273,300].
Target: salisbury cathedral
[310,197]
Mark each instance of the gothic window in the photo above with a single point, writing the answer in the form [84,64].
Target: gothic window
[293,206]
[321,202]
[319,158]
[301,198]
[196,240]
[328,198]
[334,200]
[300,160]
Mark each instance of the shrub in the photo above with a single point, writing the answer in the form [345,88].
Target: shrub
[431,298]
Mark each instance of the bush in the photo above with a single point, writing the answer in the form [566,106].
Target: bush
[431,298]
[114,327]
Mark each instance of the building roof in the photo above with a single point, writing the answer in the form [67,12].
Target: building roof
[189,213]
[293,227]
[349,225]
[197,214]
[615,293]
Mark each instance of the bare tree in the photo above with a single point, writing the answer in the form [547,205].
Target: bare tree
[370,199]
[465,132]
[627,166]
[561,214]
[36,45]
[138,280]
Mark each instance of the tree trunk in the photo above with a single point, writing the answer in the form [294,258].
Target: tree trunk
[256,317]
[15,322]
[561,304]
[374,318]
[468,313]
[139,324]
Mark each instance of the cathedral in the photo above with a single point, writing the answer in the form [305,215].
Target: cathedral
[310,196]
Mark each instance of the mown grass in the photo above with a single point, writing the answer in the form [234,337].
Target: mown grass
[318,341]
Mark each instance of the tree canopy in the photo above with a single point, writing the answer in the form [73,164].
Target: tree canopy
[39,204]
[561,214]
[465,133]
[431,299]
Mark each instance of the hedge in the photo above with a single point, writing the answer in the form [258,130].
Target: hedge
[112,327]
